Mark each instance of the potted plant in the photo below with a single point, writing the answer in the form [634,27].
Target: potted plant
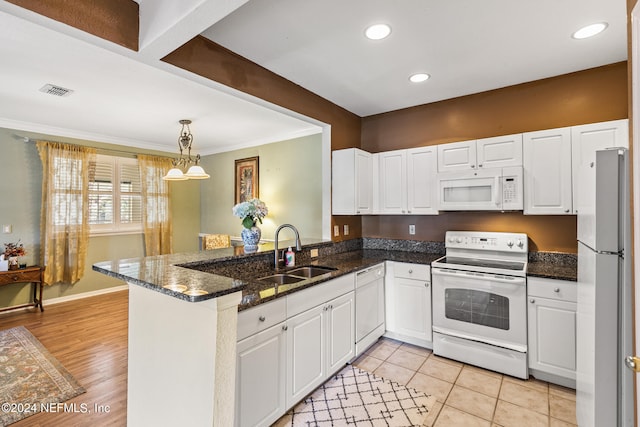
[251,212]
[12,251]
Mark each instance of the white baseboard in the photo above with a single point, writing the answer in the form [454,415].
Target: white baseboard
[73,297]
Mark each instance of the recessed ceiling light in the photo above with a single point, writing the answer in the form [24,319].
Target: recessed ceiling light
[590,30]
[419,77]
[377,31]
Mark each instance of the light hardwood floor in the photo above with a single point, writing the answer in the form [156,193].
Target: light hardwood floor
[89,338]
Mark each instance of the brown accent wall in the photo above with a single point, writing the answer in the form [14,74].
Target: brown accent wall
[113,20]
[208,59]
[555,233]
[595,95]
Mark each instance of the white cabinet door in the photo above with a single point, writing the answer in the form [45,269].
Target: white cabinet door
[364,178]
[547,172]
[340,315]
[500,151]
[306,352]
[457,156]
[392,171]
[422,182]
[260,392]
[351,182]
[552,336]
[585,141]
[412,300]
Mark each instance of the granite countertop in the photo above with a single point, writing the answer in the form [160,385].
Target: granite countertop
[553,265]
[552,271]
[203,275]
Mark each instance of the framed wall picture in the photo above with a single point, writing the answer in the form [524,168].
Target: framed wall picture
[247,179]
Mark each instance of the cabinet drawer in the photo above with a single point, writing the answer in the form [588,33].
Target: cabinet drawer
[259,318]
[412,271]
[304,300]
[17,276]
[553,289]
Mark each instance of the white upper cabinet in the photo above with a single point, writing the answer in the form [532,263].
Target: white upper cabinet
[351,182]
[422,182]
[407,181]
[499,151]
[496,152]
[585,141]
[457,156]
[547,172]
[392,182]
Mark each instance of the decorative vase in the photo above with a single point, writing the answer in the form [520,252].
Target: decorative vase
[250,238]
[13,263]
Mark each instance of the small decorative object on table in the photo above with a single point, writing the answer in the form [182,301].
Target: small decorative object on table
[251,212]
[11,252]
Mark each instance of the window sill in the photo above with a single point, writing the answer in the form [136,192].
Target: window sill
[114,233]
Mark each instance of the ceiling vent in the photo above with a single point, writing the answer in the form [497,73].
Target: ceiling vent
[55,90]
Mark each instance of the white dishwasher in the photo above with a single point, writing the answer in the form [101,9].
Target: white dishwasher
[369,307]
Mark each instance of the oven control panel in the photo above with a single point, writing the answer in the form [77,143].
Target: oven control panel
[492,241]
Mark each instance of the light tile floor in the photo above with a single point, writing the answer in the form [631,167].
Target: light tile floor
[469,396]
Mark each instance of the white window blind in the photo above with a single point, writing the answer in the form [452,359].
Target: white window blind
[115,199]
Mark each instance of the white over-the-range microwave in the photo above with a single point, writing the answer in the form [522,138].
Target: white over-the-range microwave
[494,189]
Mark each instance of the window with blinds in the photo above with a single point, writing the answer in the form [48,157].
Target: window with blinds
[115,195]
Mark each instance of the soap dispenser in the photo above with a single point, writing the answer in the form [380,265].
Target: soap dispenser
[289,258]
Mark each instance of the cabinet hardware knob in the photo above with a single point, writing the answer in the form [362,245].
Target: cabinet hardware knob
[408,211]
[556,290]
[480,165]
[426,285]
[15,278]
[532,300]
[566,210]
[473,166]
[285,327]
[410,271]
[262,318]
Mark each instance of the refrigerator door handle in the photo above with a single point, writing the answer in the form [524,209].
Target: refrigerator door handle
[633,363]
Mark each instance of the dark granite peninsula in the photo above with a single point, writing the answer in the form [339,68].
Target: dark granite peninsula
[183,315]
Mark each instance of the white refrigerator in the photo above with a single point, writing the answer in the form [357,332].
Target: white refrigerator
[604,395]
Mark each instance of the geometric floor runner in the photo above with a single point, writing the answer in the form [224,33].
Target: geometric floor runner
[358,398]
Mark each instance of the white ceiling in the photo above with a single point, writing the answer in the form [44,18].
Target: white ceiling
[467,46]
[132,98]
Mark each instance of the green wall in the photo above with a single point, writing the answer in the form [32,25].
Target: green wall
[290,185]
[20,194]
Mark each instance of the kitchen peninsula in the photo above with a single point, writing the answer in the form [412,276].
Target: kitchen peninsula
[183,319]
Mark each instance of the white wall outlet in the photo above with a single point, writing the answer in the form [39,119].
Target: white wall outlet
[6,229]
[314,253]
[345,230]
[336,230]
[412,229]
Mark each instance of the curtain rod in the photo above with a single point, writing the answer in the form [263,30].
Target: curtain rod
[99,150]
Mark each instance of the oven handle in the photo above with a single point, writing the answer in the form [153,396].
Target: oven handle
[474,275]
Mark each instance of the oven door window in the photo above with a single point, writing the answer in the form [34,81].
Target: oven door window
[477,307]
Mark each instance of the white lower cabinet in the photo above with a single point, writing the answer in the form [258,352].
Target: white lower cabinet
[408,303]
[260,370]
[552,330]
[306,353]
[279,364]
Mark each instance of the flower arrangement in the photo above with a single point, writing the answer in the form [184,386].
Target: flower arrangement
[250,212]
[14,249]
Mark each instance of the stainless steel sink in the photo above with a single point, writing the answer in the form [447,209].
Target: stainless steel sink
[281,279]
[311,271]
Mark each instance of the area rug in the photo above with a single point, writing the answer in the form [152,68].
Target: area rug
[354,397]
[30,377]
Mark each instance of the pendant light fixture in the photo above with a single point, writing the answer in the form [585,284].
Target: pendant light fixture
[195,171]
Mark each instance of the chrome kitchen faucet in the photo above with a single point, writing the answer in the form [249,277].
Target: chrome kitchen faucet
[276,258]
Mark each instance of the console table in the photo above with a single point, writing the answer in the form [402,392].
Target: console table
[32,275]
